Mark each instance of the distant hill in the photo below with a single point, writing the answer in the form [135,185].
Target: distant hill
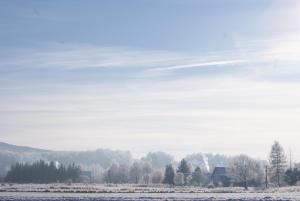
[101,158]
[21,149]
[10,154]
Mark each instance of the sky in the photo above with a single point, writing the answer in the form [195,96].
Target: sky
[211,76]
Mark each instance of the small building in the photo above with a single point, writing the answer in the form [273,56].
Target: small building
[87,176]
[219,177]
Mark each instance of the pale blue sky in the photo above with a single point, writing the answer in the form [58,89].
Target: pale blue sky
[169,25]
[187,76]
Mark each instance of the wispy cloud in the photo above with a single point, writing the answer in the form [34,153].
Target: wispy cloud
[46,92]
[278,55]
[82,57]
[197,65]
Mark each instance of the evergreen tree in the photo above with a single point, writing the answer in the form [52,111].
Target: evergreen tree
[185,169]
[42,172]
[169,175]
[197,176]
[291,176]
[277,161]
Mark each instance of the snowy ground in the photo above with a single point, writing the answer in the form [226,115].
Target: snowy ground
[90,192]
[149,196]
[127,188]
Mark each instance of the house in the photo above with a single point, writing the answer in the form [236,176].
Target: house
[219,177]
[87,176]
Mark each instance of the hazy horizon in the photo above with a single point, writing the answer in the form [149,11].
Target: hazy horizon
[175,76]
[138,155]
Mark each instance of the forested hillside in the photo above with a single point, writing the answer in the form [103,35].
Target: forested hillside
[100,159]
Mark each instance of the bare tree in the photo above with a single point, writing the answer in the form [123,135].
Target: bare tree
[277,160]
[244,169]
[116,174]
[135,173]
[146,171]
[179,179]
[123,173]
[110,174]
[156,177]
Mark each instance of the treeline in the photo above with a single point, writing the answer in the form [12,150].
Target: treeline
[241,170]
[143,173]
[184,175]
[42,172]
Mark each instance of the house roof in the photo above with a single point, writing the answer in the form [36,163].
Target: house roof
[219,171]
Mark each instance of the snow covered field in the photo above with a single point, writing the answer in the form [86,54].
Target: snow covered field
[93,192]
[127,188]
[149,196]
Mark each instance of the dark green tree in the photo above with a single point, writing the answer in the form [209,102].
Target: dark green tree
[197,176]
[169,175]
[291,176]
[185,169]
[42,172]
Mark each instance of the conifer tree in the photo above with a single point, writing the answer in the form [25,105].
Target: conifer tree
[197,176]
[169,175]
[185,169]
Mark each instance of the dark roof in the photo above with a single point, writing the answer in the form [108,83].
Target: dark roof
[87,173]
[219,171]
